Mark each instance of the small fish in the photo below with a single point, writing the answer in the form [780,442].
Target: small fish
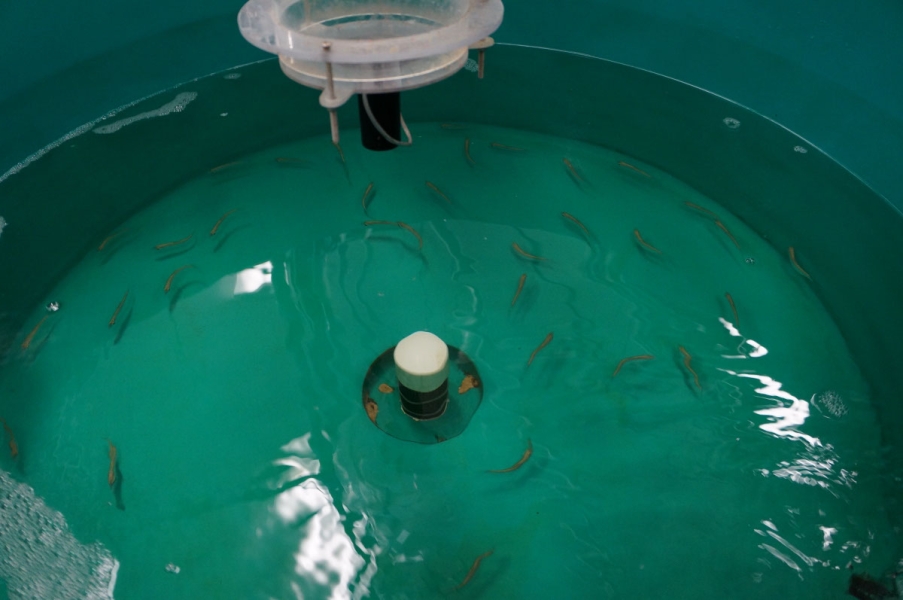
[473,570]
[175,243]
[173,276]
[520,287]
[291,160]
[525,254]
[628,359]
[729,234]
[640,239]
[433,187]
[338,147]
[385,388]
[224,166]
[638,170]
[111,475]
[571,217]
[413,231]
[701,209]
[470,382]
[372,409]
[365,196]
[544,343]
[220,222]
[687,359]
[439,438]
[27,342]
[109,239]
[802,271]
[13,446]
[504,147]
[118,308]
[527,454]
[730,301]
[572,169]
[467,152]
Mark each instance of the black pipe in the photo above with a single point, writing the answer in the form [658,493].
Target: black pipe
[424,406]
[386,109]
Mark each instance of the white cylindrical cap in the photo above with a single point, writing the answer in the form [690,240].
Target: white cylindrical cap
[421,362]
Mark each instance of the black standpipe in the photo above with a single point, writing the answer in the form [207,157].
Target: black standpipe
[386,109]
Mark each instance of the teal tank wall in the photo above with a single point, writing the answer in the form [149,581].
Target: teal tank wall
[831,72]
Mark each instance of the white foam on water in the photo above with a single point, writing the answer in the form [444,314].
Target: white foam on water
[39,556]
[72,134]
[176,105]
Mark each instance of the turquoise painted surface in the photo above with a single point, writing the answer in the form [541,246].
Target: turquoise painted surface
[831,73]
[247,466]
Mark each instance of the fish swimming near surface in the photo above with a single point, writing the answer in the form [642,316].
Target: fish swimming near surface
[523,459]
[118,308]
[730,300]
[524,253]
[220,222]
[473,570]
[173,276]
[636,233]
[544,343]
[13,446]
[289,160]
[629,359]
[637,169]
[504,147]
[175,243]
[575,220]
[792,254]
[698,208]
[468,383]
[407,227]
[111,475]
[467,152]
[520,287]
[338,147]
[365,196]
[724,228]
[27,342]
[372,409]
[224,166]
[572,169]
[109,239]
[687,359]
[433,187]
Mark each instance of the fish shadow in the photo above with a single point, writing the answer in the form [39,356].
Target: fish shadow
[123,326]
[177,294]
[117,487]
[114,247]
[225,237]
[36,349]
[172,254]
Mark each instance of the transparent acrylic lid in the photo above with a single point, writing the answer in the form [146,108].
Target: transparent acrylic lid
[367,31]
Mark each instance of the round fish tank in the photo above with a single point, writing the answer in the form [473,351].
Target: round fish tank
[670,321]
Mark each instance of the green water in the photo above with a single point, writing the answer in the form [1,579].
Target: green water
[248,467]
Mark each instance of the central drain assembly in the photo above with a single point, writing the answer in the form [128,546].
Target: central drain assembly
[422,390]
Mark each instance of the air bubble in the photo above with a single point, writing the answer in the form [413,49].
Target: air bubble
[750,260]
[231,75]
[799,149]
[731,123]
